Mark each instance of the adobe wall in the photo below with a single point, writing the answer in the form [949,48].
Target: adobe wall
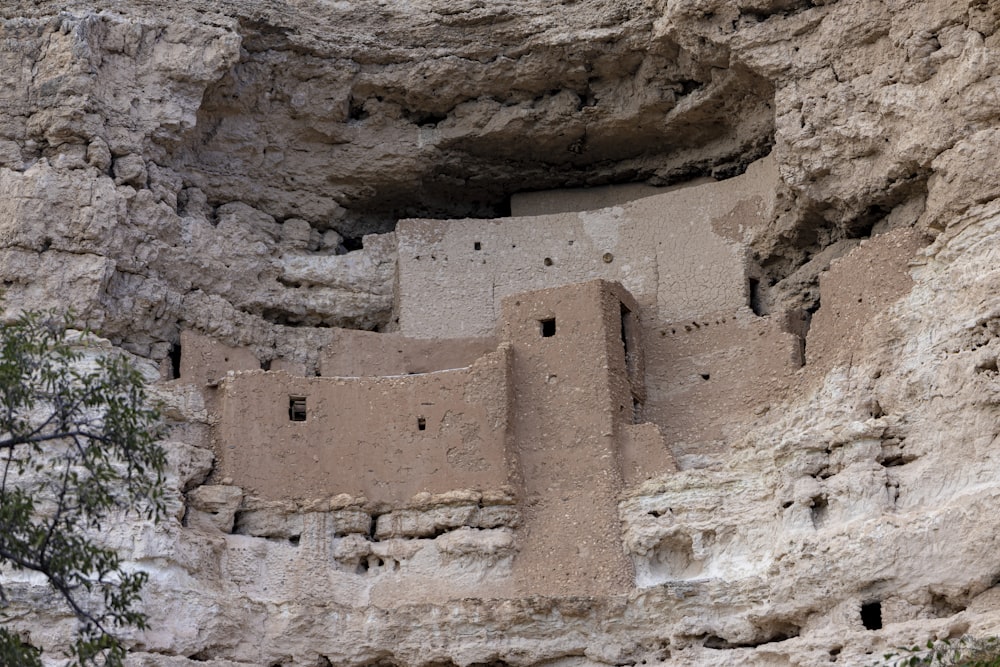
[205,360]
[573,396]
[707,376]
[383,438]
[546,202]
[856,288]
[679,253]
[353,353]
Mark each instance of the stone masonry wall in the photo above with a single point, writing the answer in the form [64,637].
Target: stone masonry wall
[384,438]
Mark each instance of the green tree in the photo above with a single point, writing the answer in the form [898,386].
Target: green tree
[960,652]
[78,447]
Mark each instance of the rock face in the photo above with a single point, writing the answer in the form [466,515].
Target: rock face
[237,169]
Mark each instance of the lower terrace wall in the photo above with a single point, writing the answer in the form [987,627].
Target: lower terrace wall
[386,438]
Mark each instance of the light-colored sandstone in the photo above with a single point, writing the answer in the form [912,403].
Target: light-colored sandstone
[204,166]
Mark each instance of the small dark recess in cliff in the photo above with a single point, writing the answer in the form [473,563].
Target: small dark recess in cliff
[871,615]
[782,8]
[772,633]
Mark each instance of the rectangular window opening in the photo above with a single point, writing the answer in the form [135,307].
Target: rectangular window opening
[871,615]
[548,327]
[477,245]
[297,408]
[175,361]
[421,424]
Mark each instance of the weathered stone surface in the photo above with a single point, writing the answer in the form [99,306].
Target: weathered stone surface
[216,165]
[413,523]
[214,506]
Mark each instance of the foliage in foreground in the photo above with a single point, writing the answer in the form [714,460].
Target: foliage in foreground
[964,652]
[78,447]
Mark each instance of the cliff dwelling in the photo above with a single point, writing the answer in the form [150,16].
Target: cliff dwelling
[540,361]
[596,333]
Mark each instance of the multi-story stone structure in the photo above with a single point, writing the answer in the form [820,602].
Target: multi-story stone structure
[540,363]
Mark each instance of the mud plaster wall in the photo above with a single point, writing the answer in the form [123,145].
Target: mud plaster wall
[383,438]
[573,396]
[353,353]
[551,412]
[705,377]
[204,360]
[452,275]
[690,279]
[857,287]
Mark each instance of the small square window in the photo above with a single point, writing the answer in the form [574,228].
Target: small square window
[477,245]
[297,408]
[871,615]
[548,327]
[421,424]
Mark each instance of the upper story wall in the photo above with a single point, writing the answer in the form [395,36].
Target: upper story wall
[204,360]
[679,253]
[546,202]
[386,438]
[353,353]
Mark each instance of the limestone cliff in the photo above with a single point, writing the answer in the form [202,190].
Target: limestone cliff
[216,165]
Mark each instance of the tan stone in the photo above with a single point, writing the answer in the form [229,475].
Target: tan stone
[214,506]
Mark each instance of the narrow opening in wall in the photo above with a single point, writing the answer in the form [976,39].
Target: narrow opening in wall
[871,615]
[636,410]
[548,327]
[265,365]
[547,261]
[755,300]
[477,245]
[625,330]
[818,511]
[297,408]
[706,376]
[421,424]
[807,316]
[175,361]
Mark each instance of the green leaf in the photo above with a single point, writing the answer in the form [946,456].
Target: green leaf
[90,438]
